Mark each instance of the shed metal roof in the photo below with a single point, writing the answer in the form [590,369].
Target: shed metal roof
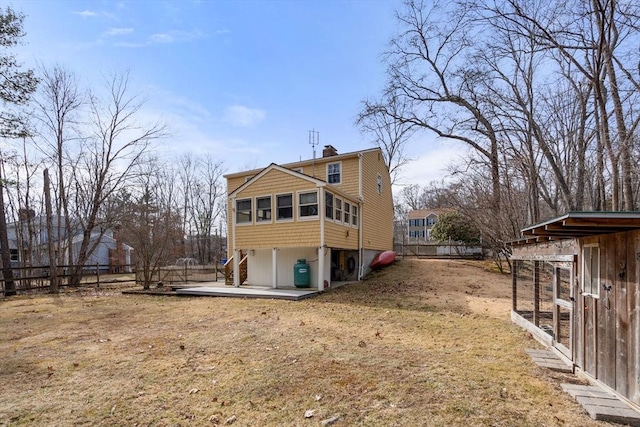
[579,224]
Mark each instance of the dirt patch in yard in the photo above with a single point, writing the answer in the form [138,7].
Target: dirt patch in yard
[420,343]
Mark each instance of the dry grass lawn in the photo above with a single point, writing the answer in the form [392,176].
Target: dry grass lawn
[421,343]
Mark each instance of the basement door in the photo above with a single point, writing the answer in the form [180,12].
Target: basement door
[564,282]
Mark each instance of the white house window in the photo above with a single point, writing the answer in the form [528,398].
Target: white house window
[308,204]
[333,173]
[247,178]
[338,216]
[328,205]
[263,209]
[299,170]
[379,182]
[354,215]
[591,270]
[284,206]
[243,211]
[347,213]
[431,221]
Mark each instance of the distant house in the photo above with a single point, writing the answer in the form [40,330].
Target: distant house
[420,222]
[575,288]
[108,254]
[28,240]
[336,212]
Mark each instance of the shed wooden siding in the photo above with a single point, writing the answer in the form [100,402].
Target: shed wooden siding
[607,329]
[377,209]
[277,234]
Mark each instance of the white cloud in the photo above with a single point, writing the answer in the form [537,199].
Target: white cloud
[117,31]
[175,36]
[161,38]
[93,14]
[239,115]
[86,13]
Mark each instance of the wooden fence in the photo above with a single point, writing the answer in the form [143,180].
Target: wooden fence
[37,279]
[439,250]
[184,274]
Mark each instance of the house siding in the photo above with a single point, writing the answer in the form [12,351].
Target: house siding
[276,234]
[340,236]
[377,209]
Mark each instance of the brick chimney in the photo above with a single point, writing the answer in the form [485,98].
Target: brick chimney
[329,150]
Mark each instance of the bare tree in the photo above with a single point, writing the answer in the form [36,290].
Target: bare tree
[204,194]
[389,133]
[110,155]
[149,220]
[59,118]
[16,86]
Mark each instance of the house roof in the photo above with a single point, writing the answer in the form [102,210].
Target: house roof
[578,224]
[273,166]
[302,163]
[423,213]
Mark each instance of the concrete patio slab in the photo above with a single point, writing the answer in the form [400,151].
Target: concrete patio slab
[243,292]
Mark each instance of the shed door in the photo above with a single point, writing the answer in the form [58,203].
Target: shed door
[563,301]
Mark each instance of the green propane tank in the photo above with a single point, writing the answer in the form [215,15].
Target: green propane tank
[301,274]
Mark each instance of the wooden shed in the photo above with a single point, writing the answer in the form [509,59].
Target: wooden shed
[575,288]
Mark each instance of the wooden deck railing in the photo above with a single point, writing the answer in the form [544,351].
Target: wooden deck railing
[228,270]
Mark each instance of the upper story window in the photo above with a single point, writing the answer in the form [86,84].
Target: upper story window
[334,175]
[347,213]
[263,209]
[379,183]
[243,211]
[299,170]
[431,221]
[328,203]
[247,178]
[591,270]
[308,204]
[354,215]
[338,216]
[284,206]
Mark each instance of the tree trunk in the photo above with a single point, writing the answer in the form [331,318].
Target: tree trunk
[7,272]
[53,265]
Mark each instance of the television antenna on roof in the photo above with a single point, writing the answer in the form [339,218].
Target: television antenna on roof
[314,139]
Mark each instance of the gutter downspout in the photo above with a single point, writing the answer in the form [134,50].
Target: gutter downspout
[360,222]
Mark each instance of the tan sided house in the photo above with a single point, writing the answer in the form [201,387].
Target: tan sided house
[335,212]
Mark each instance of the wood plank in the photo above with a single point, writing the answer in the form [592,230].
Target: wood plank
[621,314]
[633,301]
[606,334]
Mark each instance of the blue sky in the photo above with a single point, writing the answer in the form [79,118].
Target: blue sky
[243,80]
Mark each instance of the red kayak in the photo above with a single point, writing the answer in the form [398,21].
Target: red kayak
[383,259]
